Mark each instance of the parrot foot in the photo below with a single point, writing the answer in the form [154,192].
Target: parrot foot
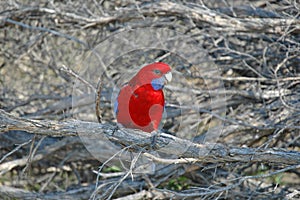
[154,136]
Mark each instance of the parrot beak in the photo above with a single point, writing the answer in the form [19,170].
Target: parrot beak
[168,77]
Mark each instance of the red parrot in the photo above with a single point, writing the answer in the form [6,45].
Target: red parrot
[140,103]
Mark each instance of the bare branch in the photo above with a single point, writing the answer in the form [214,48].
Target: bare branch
[164,143]
[98,98]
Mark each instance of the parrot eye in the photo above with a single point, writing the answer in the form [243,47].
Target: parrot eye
[157,72]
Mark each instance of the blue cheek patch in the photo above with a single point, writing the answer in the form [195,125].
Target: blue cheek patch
[158,83]
[116,104]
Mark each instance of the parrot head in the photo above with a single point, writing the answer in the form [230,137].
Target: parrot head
[157,74]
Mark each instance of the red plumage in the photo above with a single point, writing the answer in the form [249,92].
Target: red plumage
[140,103]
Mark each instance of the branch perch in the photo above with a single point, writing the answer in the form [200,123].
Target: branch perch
[164,142]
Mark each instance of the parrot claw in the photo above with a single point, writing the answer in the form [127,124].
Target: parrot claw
[154,135]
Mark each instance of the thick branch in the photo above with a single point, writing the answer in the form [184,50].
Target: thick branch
[165,143]
[196,13]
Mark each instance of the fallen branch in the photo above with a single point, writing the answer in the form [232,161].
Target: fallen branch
[197,13]
[187,151]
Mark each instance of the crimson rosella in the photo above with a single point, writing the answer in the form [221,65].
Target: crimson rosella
[140,103]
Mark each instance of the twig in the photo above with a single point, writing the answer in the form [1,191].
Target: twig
[130,171]
[98,98]
[211,191]
[14,150]
[93,195]
[278,85]
[43,29]
[75,75]
[7,166]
